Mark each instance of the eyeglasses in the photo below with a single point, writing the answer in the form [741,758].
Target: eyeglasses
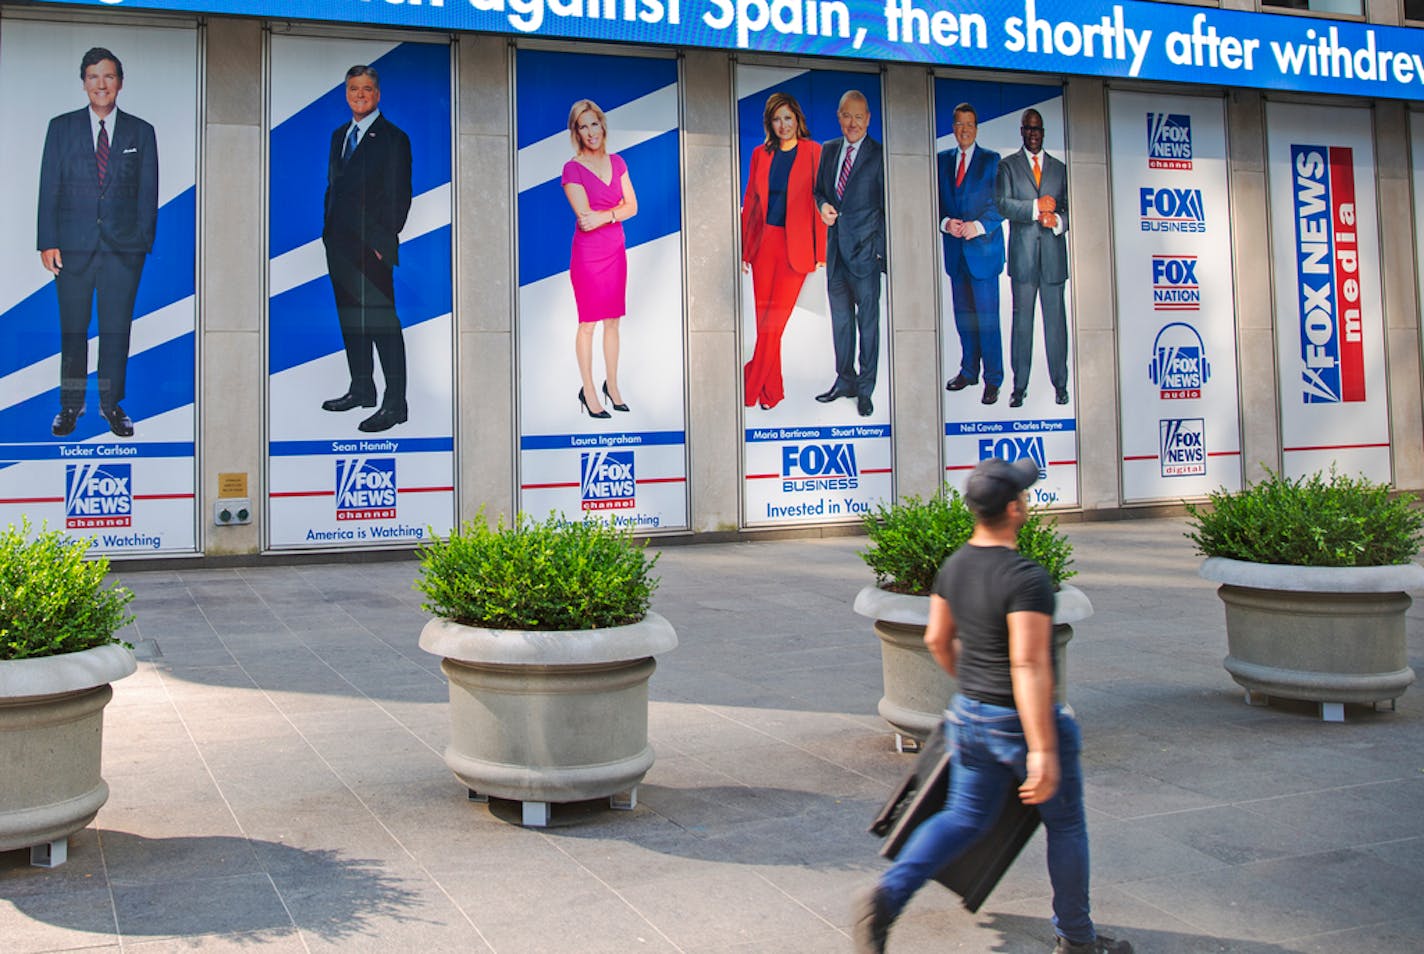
[1031,129]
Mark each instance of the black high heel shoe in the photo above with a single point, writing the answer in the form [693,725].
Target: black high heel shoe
[583,403]
[616,405]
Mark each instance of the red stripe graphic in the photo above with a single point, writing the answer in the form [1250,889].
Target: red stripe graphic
[1331,447]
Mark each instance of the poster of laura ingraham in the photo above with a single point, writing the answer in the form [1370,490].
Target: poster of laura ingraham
[97,307]
[361,414]
[602,425]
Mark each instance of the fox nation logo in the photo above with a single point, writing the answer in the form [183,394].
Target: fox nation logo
[813,467]
[1015,448]
[98,495]
[365,488]
[1174,283]
[1183,452]
[1171,210]
[607,481]
[1169,141]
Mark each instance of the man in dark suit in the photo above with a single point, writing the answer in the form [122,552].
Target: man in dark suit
[973,253]
[98,209]
[1032,193]
[367,199]
[850,194]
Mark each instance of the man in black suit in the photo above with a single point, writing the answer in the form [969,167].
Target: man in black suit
[98,209]
[367,199]
[850,194]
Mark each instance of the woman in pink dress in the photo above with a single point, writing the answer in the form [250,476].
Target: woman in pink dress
[598,188]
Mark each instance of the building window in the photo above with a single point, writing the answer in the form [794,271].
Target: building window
[1348,7]
[1414,9]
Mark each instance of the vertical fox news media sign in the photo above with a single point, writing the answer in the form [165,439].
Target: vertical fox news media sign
[1416,153]
[132,494]
[629,468]
[331,482]
[1329,322]
[1041,428]
[1176,327]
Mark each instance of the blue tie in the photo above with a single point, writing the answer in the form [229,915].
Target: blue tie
[350,144]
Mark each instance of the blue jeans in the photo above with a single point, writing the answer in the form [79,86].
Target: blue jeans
[989,761]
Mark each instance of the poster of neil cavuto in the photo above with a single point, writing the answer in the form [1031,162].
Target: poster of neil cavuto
[97,306]
[360,339]
[602,425]
[1006,322]
[815,381]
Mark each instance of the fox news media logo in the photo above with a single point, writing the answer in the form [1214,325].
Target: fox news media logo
[98,495]
[1171,210]
[810,467]
[1183,447]
[365,488]
[606,480]
[1169,141]
[1332,351]
[1174,283]
[1014,448]
[1179,366]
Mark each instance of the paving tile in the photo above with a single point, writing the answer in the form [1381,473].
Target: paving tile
[191,904]
[76,919]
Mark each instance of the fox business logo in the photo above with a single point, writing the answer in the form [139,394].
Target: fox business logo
[98,495]
[1174,283]
[606,480]
[365,488]
[1179,366]
[1171,210]
[1183,447]
[812,467]
[1169,141]
[1015,448]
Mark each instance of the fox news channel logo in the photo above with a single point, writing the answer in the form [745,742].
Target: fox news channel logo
[1183,447]
[1179,366]
[1169,141]
[1012,448]
[1171,210]
[1174,283]
[607,481]
[98,495]
[365,488]
[816,467]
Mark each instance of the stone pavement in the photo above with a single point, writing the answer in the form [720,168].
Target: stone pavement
[277,782]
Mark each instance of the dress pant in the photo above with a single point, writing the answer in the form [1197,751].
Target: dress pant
[976,318]
[775,287]
[111,278]
[1055,332]
[365,305]
[855,312]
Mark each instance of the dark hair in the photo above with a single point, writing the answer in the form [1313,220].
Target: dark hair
[1030,112]
[774,102]
[98,55]
[967,108]
[361,69]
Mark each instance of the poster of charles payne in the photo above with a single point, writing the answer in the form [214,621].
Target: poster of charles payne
[814,311]
[360,339]
[1176,327]
[1329,322]
[97,306]
[602,421]
[1006,338]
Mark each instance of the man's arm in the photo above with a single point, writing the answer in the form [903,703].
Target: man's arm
[396,189]
[941,635]
[1031,670]
[47,231]
[1010,207]
[148,186]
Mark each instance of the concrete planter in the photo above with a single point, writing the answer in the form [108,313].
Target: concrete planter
[917,690]
[549,716]
[1321,634]
[51,737]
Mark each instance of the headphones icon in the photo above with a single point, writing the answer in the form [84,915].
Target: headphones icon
[1164,353]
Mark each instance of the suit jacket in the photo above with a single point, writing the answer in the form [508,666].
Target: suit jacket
[75,212]
[805,232]
[973,201]
[857,240]
[1035,253]
[368,196]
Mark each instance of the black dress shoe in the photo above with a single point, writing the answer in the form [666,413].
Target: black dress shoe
[1016,398]
[1061,396]
[616,406]
[64,421]
[991,394]
[347,401]
[119,422]
[836,391]
[863,405]
[959,382]
[383,420]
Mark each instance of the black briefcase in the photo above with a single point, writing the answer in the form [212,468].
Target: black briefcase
[922,793]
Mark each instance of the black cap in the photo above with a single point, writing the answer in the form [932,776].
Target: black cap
[995,482]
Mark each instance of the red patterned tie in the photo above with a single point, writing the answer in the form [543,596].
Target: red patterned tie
[845,172]
[101,152]
[959,176]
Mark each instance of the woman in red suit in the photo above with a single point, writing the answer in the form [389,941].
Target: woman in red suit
[783,238]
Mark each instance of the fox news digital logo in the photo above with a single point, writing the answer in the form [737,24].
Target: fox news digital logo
[365,488]
[1171,210]
[1169,141]
[98,495]
[1183,447]
[606,480]
[1015,448]
[809,467]
[1174,283]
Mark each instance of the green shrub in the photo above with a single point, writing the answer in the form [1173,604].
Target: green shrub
[1310,521]
[911,539]
[53,600]
[551,575]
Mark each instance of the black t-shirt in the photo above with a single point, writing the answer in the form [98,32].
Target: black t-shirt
[983,585]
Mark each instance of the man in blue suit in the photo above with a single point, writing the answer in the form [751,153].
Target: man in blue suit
[98,209]
[973,253]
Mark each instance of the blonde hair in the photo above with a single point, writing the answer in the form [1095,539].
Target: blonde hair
[578,109]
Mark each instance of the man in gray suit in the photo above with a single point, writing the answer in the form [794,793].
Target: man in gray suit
[1031,191]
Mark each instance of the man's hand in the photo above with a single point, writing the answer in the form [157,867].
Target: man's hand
[50,259]
[956,228]
[829,214]
[1042,780]
[1048,220]
[1047,203]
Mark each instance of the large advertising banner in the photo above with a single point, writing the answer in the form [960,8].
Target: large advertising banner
[816,365]
[1006,321]
[1416,156]
[97,306]
[359,394]
[1176,320]
[1329,321]
[602,423]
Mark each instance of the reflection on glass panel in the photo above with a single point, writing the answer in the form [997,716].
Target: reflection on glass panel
[1414,9]
[1355,7]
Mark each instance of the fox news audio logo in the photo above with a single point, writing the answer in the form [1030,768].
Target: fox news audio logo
[811,467]
[1328,275]
[98,495]
[606,480]
[1171,210]
[365,488]
[1179,366]
[1014,448]
[1183,447]
[1169,141]
[1174,283]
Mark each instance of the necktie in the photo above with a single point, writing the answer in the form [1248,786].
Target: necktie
[101,152]
[845,172]
[350,146]
[959,176]
[1037,172]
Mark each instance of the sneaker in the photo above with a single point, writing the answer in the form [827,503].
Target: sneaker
[872,922]
[1102,944]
